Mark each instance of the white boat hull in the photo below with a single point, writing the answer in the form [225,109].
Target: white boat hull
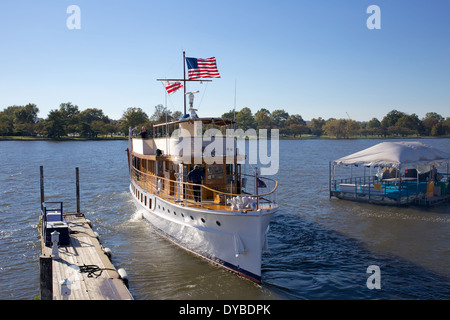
[232,239]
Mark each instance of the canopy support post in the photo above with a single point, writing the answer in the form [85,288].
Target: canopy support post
[329,178]
[399,184]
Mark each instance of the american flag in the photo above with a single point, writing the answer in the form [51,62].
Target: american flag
[172,87]
[202,68]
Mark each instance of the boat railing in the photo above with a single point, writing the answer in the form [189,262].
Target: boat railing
[201,196]
[401,189]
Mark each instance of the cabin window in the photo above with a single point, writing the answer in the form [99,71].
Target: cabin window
[215,172]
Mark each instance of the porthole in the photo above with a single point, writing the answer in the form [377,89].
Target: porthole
[203,220]
[192,218]
[169,211]
[174,213]
[218,223]
[182,215]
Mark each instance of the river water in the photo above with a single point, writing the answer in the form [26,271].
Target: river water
[320,248]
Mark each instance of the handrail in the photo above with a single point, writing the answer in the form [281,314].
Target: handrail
[169,188]
[213,190]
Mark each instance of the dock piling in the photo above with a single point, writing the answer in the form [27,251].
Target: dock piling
[77,174]
[42,187]
[46,275]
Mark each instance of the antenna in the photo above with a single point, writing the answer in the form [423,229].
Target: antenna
[234,110]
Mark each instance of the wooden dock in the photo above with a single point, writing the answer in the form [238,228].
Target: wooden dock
[85,264]
[79,263]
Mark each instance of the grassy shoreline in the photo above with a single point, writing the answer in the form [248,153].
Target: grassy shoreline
[305,137]
[29,138]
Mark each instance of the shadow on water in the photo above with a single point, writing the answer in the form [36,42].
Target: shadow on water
[309,261]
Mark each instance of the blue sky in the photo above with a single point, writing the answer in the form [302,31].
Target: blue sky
[313,58]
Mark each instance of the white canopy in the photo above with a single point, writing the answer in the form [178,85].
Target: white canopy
[396,155]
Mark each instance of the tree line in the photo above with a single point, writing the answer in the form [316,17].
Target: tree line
[395,123]
[69,120]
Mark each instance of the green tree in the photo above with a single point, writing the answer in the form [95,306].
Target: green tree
[279,118]
[297,129]
[341,128]
[19,120]
[351,128]
[437,130]
[244,119]
[262,119]
[134,118]
[229,115]
[446,126]
[431,120]
[295,119]
[391,118]
[316,126]
[408,125]
[54,125]
[160,114]
[93,114]
[374,123]
[374,127]
[6,125]
[91,122]
[98,127]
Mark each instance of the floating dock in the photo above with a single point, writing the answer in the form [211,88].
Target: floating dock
[73,263]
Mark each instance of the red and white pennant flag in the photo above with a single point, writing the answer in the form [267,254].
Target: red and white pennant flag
[171,87]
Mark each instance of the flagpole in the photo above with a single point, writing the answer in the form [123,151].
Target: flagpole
[184,79]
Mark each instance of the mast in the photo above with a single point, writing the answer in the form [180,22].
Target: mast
[185,80]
